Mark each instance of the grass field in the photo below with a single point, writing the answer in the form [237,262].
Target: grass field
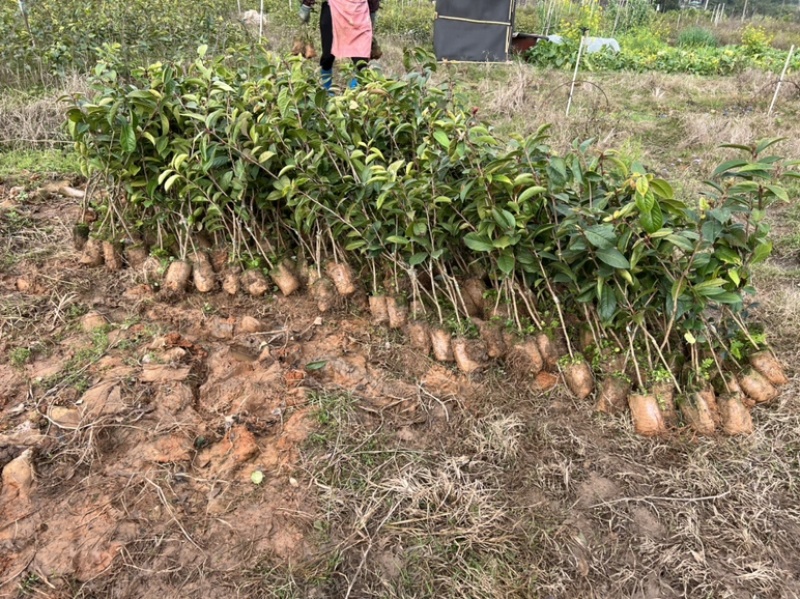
[239,447]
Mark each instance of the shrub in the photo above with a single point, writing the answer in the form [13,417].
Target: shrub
[697,37]
[405,184]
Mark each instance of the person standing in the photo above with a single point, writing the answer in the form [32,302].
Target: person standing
[346,32]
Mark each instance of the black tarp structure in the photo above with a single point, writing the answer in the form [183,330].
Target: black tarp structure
[473,30]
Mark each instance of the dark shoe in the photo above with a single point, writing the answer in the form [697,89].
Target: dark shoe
[376,52]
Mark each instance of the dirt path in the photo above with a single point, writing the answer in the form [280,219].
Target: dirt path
[230,447]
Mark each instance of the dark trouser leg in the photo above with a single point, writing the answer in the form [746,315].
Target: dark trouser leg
[326,33]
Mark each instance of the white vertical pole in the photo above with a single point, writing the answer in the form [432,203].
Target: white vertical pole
[261,22]
[780,81]
[575,74]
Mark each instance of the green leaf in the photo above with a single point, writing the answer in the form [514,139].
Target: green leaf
[766,143]
[128,139]
[479,243]
[601,236]
[257,477]
[680,241]
[779,192]
[728,165]
[728,298]
[319,365]
[442,138]
[613,257]
[530,192]
[662,189]
[505,263]
[762,252]
[652,221]
[711,230]
[608,305]
[397,239]
[417,258]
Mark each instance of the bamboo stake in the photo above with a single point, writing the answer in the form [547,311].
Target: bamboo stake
[575,74]
[780,81]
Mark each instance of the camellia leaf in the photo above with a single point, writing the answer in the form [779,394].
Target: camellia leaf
[442,138]
[601,236]
[613,257]
[530,192]
[319,365]
[506,263]
[417,258]
[128,139]
[608,305]
[479,243]
[762,252]
[662,189]
[653,220]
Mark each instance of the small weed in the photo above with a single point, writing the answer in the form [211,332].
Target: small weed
[29,583]
[20,356]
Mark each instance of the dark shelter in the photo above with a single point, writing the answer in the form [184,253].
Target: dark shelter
[473,30]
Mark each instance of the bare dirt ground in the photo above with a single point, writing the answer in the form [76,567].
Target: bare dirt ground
[231,447]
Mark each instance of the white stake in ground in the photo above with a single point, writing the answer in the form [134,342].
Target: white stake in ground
[780,81]
[261,22]
[575,74]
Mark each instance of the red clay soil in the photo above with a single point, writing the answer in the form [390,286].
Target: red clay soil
[129,440]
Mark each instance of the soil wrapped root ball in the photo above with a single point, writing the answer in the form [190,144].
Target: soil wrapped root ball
[646,415]
[579,379]
[203,274]
[735,416]
[420,337]
[441,345]
[230,282]
[548,350]
[769,367]
[699,414]
[324,293]
[378,309]
[613,394]
[757,387]
[92,253]
[342,276]
[112,255]
[397,312]
[524,359]
[177,277]
[469,355]
[254,282]
[285,279]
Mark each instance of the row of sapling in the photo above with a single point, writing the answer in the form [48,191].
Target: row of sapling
[248,175]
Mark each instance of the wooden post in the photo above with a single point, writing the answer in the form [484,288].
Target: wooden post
[780,81]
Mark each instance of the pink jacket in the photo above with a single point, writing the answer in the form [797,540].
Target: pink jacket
[352,28]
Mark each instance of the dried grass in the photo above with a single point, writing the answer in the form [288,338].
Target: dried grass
[36,122]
